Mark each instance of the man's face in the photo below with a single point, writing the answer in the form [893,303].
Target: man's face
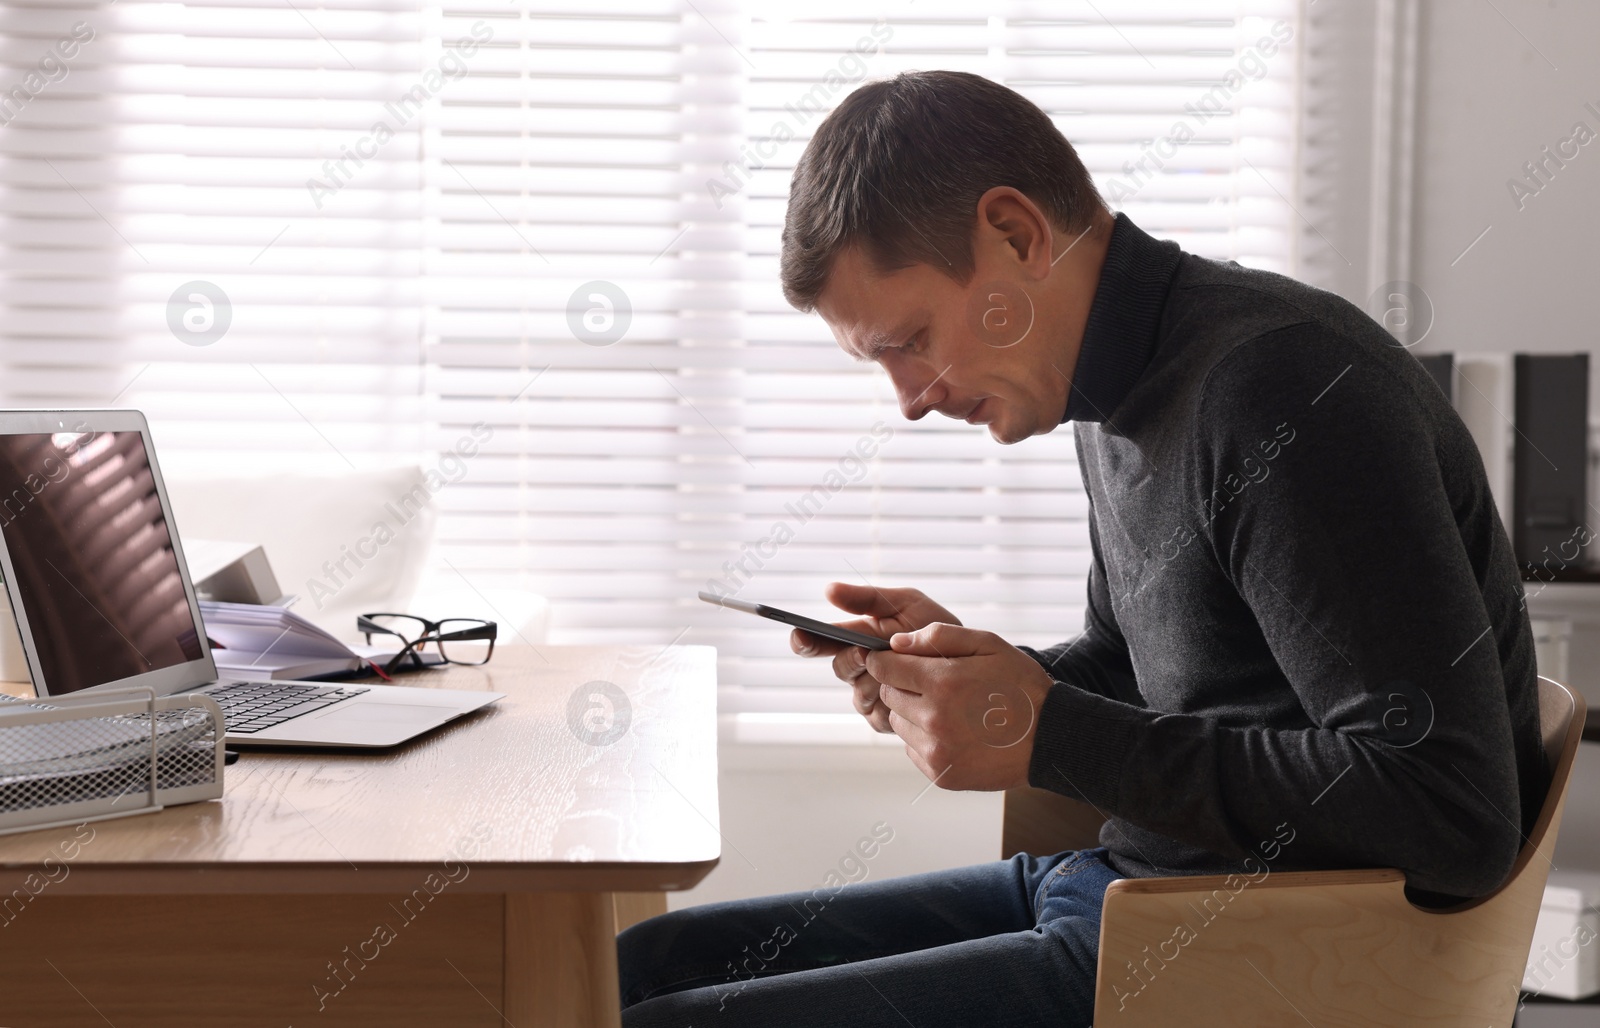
[976,352]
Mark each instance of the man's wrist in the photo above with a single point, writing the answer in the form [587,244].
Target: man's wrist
[1081,744]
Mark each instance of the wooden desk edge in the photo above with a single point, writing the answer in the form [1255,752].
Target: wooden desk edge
[343,879]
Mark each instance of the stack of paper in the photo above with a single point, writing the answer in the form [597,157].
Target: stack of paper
[259,642]
[265,642]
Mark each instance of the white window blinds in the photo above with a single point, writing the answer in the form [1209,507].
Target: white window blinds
[161,247]
[561,220]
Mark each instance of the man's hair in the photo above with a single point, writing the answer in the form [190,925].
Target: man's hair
[898,168]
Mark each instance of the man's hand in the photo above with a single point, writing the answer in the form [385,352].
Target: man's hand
[885,612]
[965,702]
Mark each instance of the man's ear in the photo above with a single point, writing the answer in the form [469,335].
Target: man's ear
[1013,229]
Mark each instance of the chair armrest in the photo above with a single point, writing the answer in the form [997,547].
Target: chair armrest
[1269,880]
[1340,948]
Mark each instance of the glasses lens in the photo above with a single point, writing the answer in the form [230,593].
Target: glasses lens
[466,640]
[403,625]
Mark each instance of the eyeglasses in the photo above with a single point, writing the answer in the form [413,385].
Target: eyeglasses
[454,637]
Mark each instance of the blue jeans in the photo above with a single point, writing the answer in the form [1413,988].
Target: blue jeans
[1003,945]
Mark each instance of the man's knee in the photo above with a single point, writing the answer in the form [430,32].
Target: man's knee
[641,947]
[674,951]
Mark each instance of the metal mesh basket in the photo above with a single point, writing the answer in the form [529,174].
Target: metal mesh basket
[88,757]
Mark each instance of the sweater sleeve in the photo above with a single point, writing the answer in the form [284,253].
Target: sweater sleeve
[1096,659]
[1347,552]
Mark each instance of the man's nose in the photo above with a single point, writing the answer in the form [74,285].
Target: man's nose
[918,391]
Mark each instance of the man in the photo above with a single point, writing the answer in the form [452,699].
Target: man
[1305,644]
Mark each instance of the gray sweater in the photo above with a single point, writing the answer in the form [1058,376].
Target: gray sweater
[1306,644]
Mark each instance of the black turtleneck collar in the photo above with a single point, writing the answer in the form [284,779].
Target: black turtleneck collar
[1119,338]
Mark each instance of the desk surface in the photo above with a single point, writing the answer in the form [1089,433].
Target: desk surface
[524,793]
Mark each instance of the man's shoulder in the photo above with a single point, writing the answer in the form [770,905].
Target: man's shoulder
[1236,303]
[1244,332]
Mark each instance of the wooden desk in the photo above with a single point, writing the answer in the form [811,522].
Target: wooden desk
[468,878]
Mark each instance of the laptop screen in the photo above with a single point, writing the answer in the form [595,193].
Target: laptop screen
[92,558]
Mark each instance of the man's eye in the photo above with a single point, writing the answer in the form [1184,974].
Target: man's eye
[910,346]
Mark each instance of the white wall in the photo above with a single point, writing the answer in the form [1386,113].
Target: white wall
[1488,102]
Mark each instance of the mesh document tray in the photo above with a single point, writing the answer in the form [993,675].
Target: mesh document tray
[88,757]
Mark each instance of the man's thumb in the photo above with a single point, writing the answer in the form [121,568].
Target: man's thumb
[938,640]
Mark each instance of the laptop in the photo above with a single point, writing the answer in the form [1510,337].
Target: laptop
[95,571]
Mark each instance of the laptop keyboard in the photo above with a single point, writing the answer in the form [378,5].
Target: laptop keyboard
[249,707]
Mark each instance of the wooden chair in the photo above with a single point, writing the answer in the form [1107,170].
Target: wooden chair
[1336,949]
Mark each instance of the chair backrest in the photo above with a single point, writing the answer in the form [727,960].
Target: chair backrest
[1349,946]
[1561,716]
